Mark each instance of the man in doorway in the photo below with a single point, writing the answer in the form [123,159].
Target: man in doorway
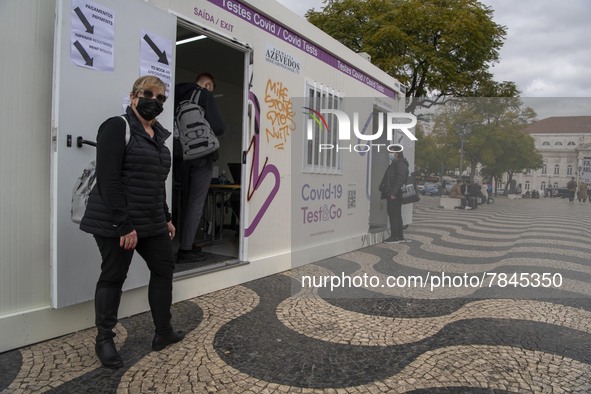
[196,174]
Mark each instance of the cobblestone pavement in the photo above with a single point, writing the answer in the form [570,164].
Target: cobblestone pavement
[485,330]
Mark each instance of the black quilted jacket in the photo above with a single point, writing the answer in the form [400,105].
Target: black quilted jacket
[130,190]
[394,178]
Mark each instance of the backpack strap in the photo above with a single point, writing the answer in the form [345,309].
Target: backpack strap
[127,131]
[195,96]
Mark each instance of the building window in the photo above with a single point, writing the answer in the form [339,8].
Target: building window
[558,143]
[527,172]
[555,185]
[527,185]
[545,143]
[327,161]
[544,169]
[569,170]
[543,186]
[571,144]
[556,169]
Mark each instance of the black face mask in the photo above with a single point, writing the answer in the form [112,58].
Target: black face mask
[148,109]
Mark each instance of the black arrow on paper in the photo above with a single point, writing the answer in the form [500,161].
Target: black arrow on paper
[89,60]
[161,55]
[85,22]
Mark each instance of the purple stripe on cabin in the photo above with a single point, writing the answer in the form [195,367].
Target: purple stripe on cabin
[276,29]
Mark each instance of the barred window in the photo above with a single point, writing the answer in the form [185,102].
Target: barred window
[325,161]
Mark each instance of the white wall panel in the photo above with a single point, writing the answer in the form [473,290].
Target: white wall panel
[26,28]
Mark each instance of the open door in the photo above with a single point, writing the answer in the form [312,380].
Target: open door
[230,62]
[101,47]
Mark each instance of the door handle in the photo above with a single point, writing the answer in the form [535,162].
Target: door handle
[81,141]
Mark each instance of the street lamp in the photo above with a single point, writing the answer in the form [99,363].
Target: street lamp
[463,131]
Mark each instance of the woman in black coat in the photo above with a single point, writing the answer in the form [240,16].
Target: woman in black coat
[394,179]
[127,211]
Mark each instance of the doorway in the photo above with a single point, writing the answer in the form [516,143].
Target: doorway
[219,234]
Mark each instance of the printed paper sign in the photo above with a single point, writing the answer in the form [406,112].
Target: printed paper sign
[93,33]
[156,57]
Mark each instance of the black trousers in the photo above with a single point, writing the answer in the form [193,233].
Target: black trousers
[158,254]
[395,214]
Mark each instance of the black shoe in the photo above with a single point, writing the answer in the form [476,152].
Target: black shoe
[161,341]
[106,305]
[190,256]
[392,240]
[107,353]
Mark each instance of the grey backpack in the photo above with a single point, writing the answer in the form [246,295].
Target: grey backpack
[86,182]
[194,132]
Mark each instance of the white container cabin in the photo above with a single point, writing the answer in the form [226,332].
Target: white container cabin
[69,64]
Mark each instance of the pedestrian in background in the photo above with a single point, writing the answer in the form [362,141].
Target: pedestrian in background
[572,188]
[582,191]
[394,179]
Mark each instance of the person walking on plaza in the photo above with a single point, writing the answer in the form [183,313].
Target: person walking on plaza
[127,211]
[582,191]
[484,192]
[572,188]
[196,174]
[394,179]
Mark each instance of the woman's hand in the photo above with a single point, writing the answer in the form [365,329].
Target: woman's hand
[171,229]
[128,241]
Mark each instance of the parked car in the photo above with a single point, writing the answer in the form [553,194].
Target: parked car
[431,189]
[448,187]
[561,192]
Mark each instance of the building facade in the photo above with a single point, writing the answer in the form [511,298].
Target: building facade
[565,145]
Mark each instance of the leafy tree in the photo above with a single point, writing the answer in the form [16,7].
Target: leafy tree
[436,48]
[493,133]
[431,157]
[518,153]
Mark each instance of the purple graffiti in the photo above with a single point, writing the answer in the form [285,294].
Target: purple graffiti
[256,177]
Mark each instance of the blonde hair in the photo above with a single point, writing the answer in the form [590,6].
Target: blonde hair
[146,82]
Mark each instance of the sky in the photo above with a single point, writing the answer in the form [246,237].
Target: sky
[547,50]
